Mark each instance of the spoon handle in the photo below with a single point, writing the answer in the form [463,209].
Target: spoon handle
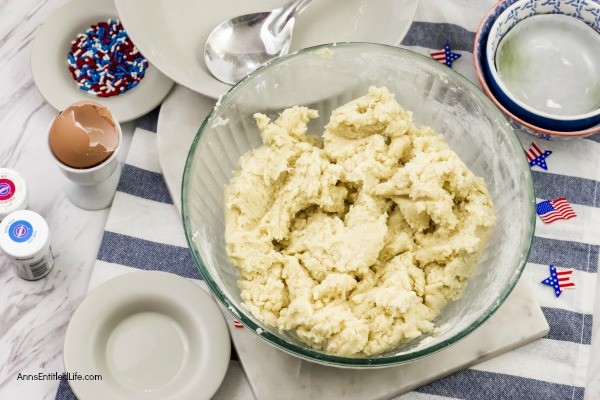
[294,7]
[289,11]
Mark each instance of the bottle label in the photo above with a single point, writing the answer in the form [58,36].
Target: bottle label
[40,268]
[20,231]
[7,189]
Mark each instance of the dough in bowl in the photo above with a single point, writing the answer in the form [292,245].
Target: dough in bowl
[354,242]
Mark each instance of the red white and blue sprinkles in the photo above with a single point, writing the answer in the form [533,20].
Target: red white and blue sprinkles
[104,61]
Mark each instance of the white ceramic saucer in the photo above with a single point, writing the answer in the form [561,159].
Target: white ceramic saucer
[53,79]
[150,335]
[172,33]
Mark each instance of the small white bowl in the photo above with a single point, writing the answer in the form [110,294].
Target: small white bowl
[543,63]
[150,335]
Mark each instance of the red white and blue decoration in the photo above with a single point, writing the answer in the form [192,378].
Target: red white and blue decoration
[559,280]
[536,156]
[554,210]
[445,55]
[104,62]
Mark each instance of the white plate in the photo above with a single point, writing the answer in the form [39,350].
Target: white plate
[53,79]
[171,33]
[151,335]
[180,117]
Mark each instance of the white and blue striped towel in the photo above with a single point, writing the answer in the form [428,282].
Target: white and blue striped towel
[144,231]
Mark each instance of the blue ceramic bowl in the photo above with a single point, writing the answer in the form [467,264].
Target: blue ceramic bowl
[551,132]
[543,62]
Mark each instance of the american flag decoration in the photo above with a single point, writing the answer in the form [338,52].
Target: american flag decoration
[559,280]
[237,324]
[553,210]
[445,55]
[536,156]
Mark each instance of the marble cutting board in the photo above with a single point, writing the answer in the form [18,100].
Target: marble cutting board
[273,374]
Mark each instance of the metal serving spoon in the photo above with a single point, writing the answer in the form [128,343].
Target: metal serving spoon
[239,45]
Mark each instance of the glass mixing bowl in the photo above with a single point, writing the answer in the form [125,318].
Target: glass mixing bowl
[323,78]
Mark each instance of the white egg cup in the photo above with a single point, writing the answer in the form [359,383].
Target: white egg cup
[92,188]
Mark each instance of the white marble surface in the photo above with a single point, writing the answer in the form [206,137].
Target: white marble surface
[34,315]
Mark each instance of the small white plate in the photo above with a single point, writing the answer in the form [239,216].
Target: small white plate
[151,335]
[172,33]
[53,79]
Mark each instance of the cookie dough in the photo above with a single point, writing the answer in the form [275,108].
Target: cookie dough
[355,241]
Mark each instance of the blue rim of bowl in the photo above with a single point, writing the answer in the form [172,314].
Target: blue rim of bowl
[315,355]
[518,107]
[479,54]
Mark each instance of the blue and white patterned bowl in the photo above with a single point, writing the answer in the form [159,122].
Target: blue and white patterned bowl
[479,53]
[543,62]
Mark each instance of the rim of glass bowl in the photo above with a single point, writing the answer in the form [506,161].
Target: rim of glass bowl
[318,356]
[483,81]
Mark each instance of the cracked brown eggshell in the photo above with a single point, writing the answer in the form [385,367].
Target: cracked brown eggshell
[84,135]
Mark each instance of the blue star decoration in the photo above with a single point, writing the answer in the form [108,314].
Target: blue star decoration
[536,156]
[559,280]
[445,55]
